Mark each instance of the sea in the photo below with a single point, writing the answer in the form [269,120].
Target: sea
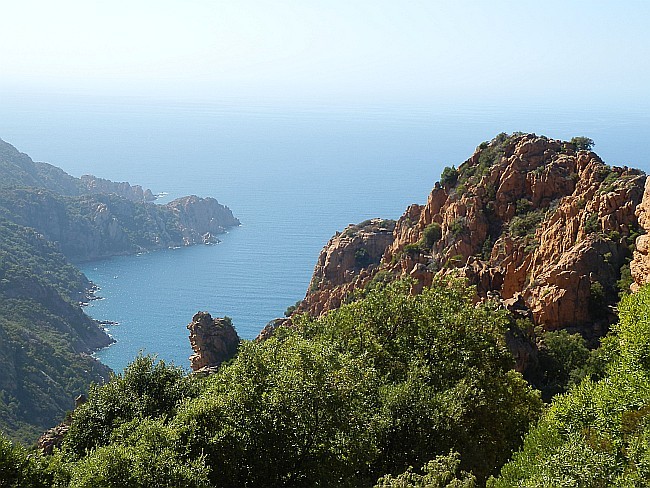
[294,173]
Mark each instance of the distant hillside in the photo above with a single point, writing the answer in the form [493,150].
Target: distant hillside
[17,169]
[48,219]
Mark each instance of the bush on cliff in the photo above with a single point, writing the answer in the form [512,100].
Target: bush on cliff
[146,389]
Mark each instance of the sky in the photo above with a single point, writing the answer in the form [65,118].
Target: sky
[401,50]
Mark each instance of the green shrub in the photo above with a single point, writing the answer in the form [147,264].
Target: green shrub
[432,234]
[362,258]
[20,469]
[526,224]
[458,227]
[145,389]
[582,143]
[442,472]
[292,308]
[599,433]
[412,249]
[626,280]
[562,358]
[449,176]
[591,224]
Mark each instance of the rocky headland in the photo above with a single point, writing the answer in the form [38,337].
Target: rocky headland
[543,225]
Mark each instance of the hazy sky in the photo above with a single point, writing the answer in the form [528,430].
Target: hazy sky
[337,49]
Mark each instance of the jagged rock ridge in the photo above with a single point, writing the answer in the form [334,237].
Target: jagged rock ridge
[533,220]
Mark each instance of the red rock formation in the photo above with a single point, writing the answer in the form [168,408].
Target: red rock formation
[213,341]
[527,217]
[640,265]
[346,263]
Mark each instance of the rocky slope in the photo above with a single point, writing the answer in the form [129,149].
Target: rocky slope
[94,185]
[535,221]
[640,265]
[345,263]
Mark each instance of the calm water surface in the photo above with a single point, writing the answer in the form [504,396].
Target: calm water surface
[293,176]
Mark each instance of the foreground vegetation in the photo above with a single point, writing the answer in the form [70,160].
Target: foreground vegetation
[420,387]
[385,383]
[598,434]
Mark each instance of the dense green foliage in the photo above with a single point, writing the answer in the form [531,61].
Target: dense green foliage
[387,382]
[599,433]
[563,360]
[432,233]
[19,469]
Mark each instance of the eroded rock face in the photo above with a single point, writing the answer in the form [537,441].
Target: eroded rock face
[135,193]
[346,263]
[213,341]
[526,217]
[53,438]
[640,265]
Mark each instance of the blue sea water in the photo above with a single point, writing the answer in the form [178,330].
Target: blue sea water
[293,175]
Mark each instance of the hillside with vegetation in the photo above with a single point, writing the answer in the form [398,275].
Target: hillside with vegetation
[49,219]
[389,381]
[393,390]
[45,338]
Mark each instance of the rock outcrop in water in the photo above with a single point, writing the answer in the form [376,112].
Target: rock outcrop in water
[201,219]
[213,341]
[532,220]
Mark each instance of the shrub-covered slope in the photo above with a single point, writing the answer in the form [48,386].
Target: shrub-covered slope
[390,381]
[45,338]
[598,434]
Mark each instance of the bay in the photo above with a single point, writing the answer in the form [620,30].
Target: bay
[293,175]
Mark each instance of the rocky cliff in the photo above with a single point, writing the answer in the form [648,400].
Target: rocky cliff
[640,265]
[346,263]
[199,220]
[536,221]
